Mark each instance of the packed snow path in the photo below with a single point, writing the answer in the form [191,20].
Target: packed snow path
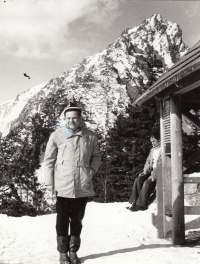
[111,234]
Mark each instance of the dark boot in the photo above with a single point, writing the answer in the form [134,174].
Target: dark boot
[64,259]
[135,208]
[63,248]
[74,247]
[131,206]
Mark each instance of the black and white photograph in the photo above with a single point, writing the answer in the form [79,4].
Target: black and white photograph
[99,132]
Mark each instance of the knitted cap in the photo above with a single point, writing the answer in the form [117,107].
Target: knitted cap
[72,107]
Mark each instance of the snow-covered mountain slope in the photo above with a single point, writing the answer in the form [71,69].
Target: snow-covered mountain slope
[107,81]
[111,235]
[11,110]
[4,107]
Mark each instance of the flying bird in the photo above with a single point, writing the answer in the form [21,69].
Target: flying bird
[26,75]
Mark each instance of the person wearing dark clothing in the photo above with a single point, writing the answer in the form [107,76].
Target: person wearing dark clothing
[73,209]
[145,184]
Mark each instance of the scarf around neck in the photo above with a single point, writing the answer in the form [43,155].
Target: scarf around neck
[68,132]
[157,145]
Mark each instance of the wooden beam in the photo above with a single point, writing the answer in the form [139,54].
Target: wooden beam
[191,179]
[188,163]
[166,171]
[188,210]
[193,119]
[192,210]
[193,174]
[157,172]
[188,88]
[178,225]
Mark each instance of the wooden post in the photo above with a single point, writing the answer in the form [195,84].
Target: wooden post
[166,169]
[178,225]
[159,193]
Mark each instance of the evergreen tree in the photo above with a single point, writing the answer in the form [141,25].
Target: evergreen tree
[126,148]
[20,192]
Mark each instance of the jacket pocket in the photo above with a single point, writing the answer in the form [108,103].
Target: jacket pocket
[85,178]
[83,163]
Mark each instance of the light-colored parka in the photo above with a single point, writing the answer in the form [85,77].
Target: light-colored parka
[148,167]
[68,162]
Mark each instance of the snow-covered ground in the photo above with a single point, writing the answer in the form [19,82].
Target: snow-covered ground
[111,234]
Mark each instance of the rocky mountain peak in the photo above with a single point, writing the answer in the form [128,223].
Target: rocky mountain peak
[107,81]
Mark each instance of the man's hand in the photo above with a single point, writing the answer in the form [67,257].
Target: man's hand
[92,172]
[151,178]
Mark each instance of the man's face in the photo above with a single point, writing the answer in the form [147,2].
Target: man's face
[154,141]
[72,120]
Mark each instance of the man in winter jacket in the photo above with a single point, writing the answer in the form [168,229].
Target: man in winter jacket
[145,184]
[71,159]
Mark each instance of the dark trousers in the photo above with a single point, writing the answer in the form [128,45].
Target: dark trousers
[142,189]
[70,212]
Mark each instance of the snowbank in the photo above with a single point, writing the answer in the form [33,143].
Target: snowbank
[111,234]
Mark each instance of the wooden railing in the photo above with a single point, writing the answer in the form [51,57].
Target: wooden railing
[192,178]
[163,219]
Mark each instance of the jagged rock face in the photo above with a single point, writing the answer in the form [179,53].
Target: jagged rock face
[135,58]
[109,80]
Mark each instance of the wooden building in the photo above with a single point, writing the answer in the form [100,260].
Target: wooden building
[178,93]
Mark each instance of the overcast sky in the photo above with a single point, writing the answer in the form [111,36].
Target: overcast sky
[43,38]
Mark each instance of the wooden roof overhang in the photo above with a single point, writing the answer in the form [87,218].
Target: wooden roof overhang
[183,77]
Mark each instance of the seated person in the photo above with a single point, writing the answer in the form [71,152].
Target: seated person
[145,184]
